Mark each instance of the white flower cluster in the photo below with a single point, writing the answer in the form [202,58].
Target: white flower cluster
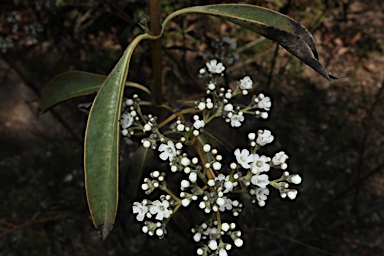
[218,102]
[133,121]
[248,173]
[213,237]
[205,178]
[257,167]
[158,209]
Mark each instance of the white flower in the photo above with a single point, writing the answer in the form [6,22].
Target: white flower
[168,151]
[198,124]
[223,252]
[207,148]
[238,242]
[251,136]
[214,67]
[228,185]
[216,166]
[236,120]
[159,232]
[180,127]
[225,227]
[210,231]
[184,184]
[220,177]
[264,137]
[160,209]
[227,205]
[228,107]
[261,203]
[260,180]
[126,120]
[146,143]
[140,209]
[185,161]
[211,86]
[197,237]
[192,177]
[259,164]
[129,102]
[264,115]
[292,194]
[261,194]
[243,158]
[220,201]
[201,106]
[295,179]
[279,158]
[212,244]
[246,83]
[265,103]
[147,127]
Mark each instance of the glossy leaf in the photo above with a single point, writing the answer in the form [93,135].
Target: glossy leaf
[270,24]
[101,146]
[101,150]
[74,84]
[69,85]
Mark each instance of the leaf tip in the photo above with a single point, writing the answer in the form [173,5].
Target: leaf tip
[104,230]
[332,77]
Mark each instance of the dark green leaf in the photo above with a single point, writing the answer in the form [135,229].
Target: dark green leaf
[74,84]
[101,145]
[101,149]
[69,85]
[272,25]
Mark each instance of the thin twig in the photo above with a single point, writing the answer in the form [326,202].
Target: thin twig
[29,223]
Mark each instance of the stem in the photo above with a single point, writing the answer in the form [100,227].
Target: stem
[218,218]
[155,28]
[173,116]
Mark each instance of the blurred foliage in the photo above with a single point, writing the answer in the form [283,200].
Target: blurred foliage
[333,133]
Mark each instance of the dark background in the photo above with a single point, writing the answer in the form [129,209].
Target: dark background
[333,132]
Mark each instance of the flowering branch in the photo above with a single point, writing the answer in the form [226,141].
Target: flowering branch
[204,176]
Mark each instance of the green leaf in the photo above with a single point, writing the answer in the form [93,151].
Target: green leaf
[69,85]
[74,84]
[101,150]
[101,145]
[270,24]
[142,159]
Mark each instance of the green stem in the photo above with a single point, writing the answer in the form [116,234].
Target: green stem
[155,29]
